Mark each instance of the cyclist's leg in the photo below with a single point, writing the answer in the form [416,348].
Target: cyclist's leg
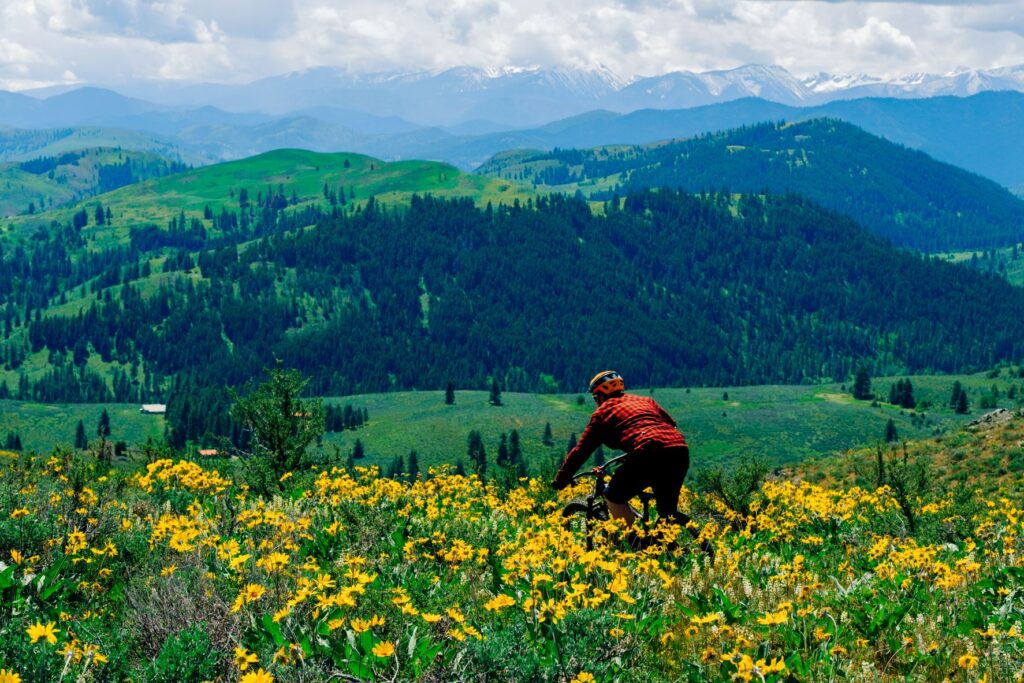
[627,481]
[671,466]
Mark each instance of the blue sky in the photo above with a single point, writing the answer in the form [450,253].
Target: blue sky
[44,42]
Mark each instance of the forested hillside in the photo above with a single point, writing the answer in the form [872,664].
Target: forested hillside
[900,194]
[671,288]
[46,182]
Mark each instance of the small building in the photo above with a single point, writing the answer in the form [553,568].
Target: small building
[153,409]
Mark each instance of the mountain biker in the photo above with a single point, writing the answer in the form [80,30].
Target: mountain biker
[657,454]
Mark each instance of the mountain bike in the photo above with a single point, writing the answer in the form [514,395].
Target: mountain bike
[590,511]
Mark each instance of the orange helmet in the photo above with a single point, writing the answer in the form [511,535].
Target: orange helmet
[606,383]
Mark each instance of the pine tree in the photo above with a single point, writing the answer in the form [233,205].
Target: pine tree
[890,432]
[962,405]
[862,385]
[358,451]
[414,466]
[503,458]
[103,428]
[449,394]
[495,398]
[81,441]
[548,439]
[954,399]
[460,468]
[476,453]
[571,444]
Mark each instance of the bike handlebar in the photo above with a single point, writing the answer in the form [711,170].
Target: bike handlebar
[600,470]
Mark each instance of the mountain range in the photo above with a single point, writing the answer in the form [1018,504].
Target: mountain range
[980,133]
[514,97]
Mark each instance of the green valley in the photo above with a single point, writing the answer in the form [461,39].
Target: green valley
[781,424]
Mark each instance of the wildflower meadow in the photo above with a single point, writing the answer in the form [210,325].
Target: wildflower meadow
[178,572]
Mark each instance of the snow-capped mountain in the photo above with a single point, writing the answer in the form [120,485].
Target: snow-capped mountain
[474,98]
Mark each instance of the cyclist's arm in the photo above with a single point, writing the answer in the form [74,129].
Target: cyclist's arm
[588,443]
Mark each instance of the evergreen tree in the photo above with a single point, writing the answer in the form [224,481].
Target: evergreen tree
[571,444]
[890,432]
[81,441]
[460,468]
[954,399]
[449,394]
[548,439]
[962,405]
[495,398]
[476,453]
[502,459]
[358,451]
[282,424]
[862,385]
[103,428]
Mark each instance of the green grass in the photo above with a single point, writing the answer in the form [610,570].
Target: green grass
[784,424]
[296,171]
[1003,262]
[65,185]
[44,426]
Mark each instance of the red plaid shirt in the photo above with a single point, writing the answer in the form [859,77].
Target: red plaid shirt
[627,423]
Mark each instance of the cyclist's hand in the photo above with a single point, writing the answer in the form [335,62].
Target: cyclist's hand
[560,483]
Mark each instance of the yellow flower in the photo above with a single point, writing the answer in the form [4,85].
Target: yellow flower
[243,658]
[38,631]
[773,618]
[260,676]
[383,649]
[583,677]
[168,570]
[431,618]
[498,603]
[9,676]
[967,662]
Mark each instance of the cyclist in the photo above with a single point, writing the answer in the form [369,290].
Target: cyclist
[657,454]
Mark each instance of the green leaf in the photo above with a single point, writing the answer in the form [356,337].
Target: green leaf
[274,629]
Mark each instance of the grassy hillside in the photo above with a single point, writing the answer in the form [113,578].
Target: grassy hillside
[900,194]
[297,173]
[985,457]
[783,424]
[49,182]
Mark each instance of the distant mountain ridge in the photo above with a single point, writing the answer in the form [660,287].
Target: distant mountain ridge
[522,97]
[981,133]
[900,194]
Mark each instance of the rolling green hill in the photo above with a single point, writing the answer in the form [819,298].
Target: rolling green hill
[300,176]
[902,195]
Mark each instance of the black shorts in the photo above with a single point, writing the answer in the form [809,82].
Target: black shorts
[663,470]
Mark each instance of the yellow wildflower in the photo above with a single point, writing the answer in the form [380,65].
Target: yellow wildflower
[260,676]
[385,649]
[243,658]
[38,630]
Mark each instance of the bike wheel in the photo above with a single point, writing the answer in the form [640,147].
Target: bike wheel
[578,514]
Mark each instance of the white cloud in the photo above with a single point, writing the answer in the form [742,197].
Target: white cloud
[109,41]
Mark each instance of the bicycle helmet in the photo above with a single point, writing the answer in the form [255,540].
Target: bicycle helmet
[607,383]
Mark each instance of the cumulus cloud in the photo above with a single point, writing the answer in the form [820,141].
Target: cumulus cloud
[112,41]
